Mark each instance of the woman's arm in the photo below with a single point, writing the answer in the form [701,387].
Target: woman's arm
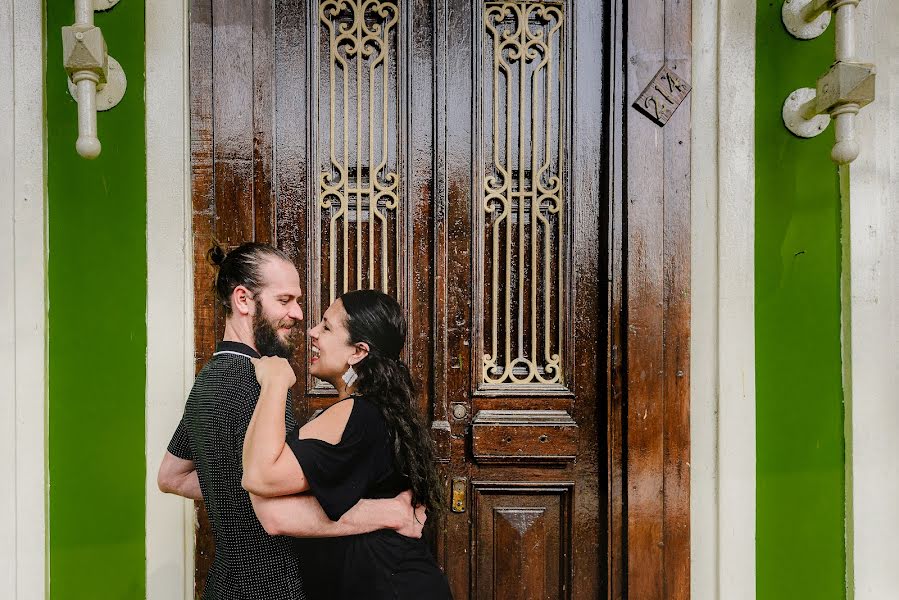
[269,466]
[302,516]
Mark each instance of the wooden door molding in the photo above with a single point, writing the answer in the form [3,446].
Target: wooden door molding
[649,408]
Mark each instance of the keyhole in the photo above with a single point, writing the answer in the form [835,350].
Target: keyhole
[543,438]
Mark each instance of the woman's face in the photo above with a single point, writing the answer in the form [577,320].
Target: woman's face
[332,352]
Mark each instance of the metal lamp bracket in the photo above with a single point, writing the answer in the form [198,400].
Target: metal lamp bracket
[806,19]
[843,90]
[96,80]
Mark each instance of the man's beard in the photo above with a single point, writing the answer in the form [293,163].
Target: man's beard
[268,343]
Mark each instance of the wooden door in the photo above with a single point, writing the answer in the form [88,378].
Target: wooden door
[451,153]
[519,396]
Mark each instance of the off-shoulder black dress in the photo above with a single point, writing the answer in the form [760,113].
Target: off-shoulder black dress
[381,564]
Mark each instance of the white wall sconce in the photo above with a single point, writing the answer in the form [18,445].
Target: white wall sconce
[843,90]
[96,80]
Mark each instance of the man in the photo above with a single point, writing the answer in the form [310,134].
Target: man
[259,289]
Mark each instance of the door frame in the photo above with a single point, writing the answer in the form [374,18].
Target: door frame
[648,237]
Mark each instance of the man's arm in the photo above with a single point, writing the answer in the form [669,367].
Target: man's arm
[179,476]
[302,516]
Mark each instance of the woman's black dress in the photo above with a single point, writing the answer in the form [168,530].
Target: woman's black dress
[381,564]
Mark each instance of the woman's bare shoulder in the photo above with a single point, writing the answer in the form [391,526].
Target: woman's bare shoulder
[330,425]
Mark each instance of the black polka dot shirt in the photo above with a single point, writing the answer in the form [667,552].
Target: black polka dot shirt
[249,564]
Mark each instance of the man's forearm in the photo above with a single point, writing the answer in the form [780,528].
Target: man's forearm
[179,476]
[189,487]
[302,516]
[186,485]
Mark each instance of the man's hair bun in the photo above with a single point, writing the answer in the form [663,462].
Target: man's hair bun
[216,255]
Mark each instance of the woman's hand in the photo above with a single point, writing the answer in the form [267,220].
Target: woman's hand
[274,370]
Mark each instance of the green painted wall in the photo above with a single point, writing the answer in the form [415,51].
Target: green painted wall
[800,551]
[97,326]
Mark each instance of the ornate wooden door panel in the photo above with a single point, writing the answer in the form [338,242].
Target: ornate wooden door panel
[520,399]
[447,152]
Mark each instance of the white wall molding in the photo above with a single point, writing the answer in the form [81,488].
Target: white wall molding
[872,324]
[723,320]
[23,354]
[169,519]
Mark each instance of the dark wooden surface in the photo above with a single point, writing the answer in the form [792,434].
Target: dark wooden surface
[203,192]
[535,437]
[615,521]
[656,263]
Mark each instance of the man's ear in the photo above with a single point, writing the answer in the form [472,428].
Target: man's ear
[360,352]
[242,301]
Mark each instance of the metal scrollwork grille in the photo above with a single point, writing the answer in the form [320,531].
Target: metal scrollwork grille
[359,182]
[523,200]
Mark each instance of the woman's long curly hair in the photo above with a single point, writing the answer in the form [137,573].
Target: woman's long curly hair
[384,379]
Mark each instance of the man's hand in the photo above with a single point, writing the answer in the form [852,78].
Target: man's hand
[409,521]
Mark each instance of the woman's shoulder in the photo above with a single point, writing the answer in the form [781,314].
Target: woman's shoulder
[331,425]
[366,410]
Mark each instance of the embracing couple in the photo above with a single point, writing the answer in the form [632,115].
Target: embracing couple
[332,509]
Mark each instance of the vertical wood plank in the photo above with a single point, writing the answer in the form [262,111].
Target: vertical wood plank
[450,527]
[676,538]
[645,271]
[616,324]
[416,49]
[232,106]
[452,254]
[263,126]
[584,134]
[203,201]
[202,181]
[657,221]
[294,189]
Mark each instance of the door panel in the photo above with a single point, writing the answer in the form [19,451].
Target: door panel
[523,316]
[534,519]
[447,152]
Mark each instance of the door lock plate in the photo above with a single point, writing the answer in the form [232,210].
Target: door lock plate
[459,494]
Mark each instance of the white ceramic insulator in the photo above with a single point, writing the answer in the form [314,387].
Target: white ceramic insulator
[846,148]
[845,32]
[88,145]
[84,12]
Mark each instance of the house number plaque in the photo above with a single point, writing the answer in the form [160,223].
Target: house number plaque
[662,96]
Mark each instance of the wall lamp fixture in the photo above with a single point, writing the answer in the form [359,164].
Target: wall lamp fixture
[843,90]
[96,80]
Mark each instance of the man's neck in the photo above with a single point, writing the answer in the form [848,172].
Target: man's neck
[239,332]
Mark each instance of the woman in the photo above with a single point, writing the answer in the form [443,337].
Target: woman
[371,443]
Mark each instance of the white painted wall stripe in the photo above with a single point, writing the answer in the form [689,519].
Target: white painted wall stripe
[7,306]
[873,400]
[169,519]
[23,357]
[723,322]
[704,302]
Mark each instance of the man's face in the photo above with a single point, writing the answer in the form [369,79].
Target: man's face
[278,316]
